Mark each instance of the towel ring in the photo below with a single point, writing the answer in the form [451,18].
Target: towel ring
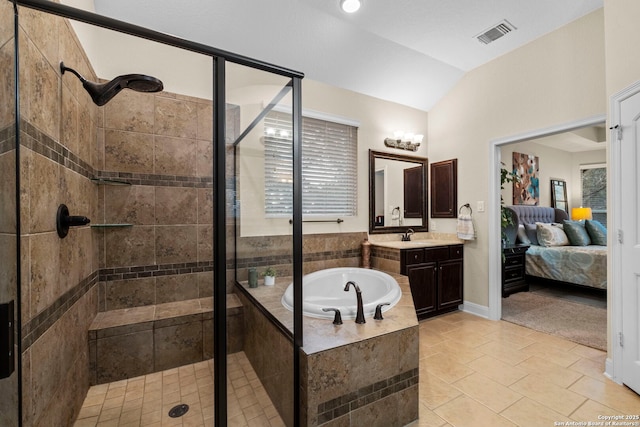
[466,205]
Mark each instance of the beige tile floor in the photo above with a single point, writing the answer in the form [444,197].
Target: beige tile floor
[473,372]
[476,372]
[147,400]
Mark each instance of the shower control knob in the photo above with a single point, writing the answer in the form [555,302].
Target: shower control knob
[64,221]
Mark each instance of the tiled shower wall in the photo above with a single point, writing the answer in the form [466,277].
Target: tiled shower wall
[58,154]
[8,240]
[162,145]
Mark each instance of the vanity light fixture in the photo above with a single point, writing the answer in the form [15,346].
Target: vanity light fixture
[404,140]
[350,6]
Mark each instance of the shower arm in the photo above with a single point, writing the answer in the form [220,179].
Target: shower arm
[77,74]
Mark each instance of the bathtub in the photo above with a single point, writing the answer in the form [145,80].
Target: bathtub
[325,289]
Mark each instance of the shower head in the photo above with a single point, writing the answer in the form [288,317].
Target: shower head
[101,93]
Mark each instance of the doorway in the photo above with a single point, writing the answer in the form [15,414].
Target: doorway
[495,258]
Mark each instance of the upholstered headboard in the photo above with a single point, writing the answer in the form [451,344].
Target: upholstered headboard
[532,214]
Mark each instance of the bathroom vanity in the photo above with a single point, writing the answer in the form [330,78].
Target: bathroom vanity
[434,268]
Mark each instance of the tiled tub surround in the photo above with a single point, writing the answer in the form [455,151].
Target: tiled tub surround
[320,251]
[350,374]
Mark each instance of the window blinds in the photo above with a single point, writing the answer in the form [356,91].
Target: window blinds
[329,167]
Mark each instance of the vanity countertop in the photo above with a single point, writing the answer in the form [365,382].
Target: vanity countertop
[413,244]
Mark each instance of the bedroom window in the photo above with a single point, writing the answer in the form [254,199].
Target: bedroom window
[594,190]
[329,166]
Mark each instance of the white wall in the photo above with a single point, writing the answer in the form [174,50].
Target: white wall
[377,120]
[555,79]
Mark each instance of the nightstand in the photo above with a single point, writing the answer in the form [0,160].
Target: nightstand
[513,269]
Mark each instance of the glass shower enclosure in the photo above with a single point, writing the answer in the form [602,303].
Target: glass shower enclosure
[174,185]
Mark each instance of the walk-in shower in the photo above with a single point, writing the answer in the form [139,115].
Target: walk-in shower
[144,292]
[101,93]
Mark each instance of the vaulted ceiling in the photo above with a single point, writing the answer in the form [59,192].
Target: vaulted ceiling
[407,51]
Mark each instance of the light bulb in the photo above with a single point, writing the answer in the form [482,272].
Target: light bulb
[350,6]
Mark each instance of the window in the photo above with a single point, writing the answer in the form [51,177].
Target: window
[329,167]
[594,190]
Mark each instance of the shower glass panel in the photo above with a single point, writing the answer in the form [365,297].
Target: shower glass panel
[129,295]
[260,138]
[9,280]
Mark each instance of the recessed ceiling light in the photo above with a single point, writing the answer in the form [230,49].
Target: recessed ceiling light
[350,6]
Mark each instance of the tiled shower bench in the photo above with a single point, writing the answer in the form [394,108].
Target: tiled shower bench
[130,342]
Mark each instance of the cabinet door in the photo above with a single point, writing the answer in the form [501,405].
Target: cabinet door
[422,279]
[449,284]
[444,189]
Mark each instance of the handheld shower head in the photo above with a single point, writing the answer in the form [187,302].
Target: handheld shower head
[101,93]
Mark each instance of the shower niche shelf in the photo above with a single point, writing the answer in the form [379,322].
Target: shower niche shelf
[109,181]
[110,225]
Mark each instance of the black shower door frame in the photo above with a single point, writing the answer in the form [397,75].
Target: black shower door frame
[219,58]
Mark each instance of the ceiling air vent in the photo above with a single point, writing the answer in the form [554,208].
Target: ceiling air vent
[495,32]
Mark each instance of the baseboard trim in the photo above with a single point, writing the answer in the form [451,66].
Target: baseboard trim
[608,370]
[476,309]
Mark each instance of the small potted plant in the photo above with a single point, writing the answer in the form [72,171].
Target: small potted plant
[269,276]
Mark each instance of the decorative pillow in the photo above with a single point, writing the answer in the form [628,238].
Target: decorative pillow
[522,235]
[576,232]
[532,234]
[551,235]
[597,232]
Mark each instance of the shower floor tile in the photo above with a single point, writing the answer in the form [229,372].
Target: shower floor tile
[147,400]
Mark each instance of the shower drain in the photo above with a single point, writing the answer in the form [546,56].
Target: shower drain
[178,410]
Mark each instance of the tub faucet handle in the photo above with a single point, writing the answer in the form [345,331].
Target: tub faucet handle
[378,314]
[337,320]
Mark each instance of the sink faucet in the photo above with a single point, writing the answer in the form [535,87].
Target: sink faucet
[406,237]
[360,312]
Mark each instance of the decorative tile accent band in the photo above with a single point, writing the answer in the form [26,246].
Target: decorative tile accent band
[384,253]
[344,404]
[139,271]
[33,329]
[46,146]
[7,139]
[287,259]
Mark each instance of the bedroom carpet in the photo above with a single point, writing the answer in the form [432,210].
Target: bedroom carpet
[583,324]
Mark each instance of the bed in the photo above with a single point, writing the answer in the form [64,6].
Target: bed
[577,265]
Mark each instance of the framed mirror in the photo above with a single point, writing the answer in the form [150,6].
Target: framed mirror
[559,194]
[397,193]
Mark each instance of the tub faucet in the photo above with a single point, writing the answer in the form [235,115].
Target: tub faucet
[360,312]
[406,237]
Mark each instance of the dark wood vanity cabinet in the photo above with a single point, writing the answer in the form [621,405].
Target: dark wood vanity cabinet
[436,279]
